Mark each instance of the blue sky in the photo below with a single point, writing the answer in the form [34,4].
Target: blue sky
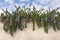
[52,4]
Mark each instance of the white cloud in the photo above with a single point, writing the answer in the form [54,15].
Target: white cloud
[12,8]
[10,1]
[19,4]
[44,1]
[37,6]
[55,3]
[23,0]
[0,11]
[52,3]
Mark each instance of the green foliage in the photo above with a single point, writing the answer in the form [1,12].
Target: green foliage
[45,25]
[33,20]
[38,21]
[18,19]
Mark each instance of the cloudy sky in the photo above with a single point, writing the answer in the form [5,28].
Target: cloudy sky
[52,4]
